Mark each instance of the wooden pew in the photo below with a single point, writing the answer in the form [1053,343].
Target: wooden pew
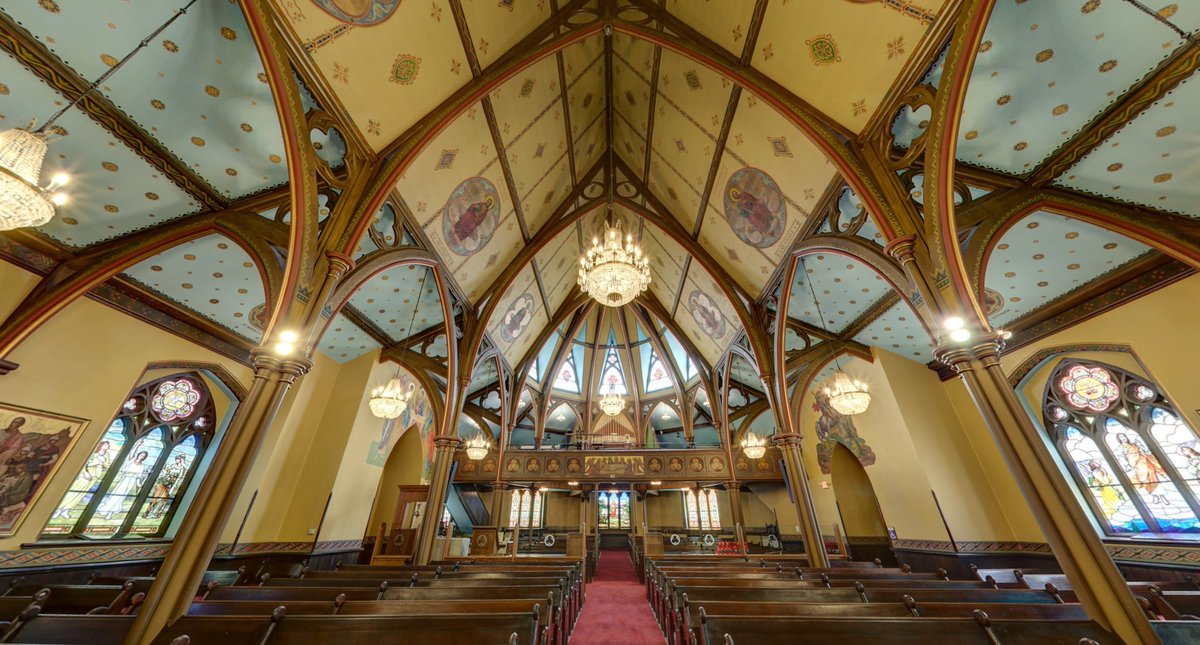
[15,610]
[84,599]
[981,630]
[71,629]
[1176,605]
[280,629]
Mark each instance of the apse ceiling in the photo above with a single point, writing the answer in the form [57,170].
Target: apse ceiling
[716,185]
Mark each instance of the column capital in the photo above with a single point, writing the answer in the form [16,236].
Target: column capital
[446,443]
[290,366]
[958,356]
[339,263]
[789,439]
[902,248]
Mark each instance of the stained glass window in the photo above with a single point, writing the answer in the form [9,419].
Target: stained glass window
[714,515]
[691,509]
[535,518]
[623,512]
[613,510]
[701,510]
[612,378]
[1127,447]
[602,515]
[568,377]
[514,511]
[525,503]
[132,481]
[657,377]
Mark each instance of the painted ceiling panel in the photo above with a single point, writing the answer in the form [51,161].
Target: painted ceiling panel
[388,75]
[694,90]
[399,296]
[212,276]
[705,314]
[199,86]
[1044,70]
[725,22]
[583,66]
[683,156]
[457,193]
[845,289]
[899,331]
[1044,256]
[812,47]
[558,263]
[631,80]
[112,191]
[496,26]
[344,341]
[518,318]
[590,146]
[1153,161]
[742,371]
[628,144]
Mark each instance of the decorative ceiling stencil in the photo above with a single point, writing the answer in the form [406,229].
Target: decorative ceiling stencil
[198,88]
[386,227]
[1044,70]
[112,191]
[1153,161]
[845,289]
[497,25]
[1044,256]
[899,331]
[344,341]
[212,276]
[557,263]
[725,23]
[389,300]
[812,47]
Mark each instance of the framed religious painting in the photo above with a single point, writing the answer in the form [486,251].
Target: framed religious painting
[32,445]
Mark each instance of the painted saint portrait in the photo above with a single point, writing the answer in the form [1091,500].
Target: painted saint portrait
[516,318]
[471,216]
[32,443]
[359,12]
[754,207]
[835,427]
[418,414]
[706,314]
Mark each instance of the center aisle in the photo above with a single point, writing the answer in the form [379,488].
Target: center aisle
[616,611]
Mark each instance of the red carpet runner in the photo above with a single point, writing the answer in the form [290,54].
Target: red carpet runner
[616,611]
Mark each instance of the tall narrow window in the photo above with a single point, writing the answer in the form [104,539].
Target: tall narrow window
[714,515]
[526,509]
[514,511]
[612,377]
[656,374]
[525,506]
[132,480]
[1126,447]
[623,517]
[602,512]
[702,511]
[691,510]
[535,517]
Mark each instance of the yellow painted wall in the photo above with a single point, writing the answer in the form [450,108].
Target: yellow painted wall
[403,467]
[762,499]
[856,497]
[101,351]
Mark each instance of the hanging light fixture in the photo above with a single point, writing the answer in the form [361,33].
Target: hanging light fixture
[614,271]
[391,400]
[612,403]
[847,396]
[754,446]
[23,151]
[477,447]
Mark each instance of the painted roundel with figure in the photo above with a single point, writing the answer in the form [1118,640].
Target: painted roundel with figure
[516,318]
[471,216]
[359,12]
[706,314]
[754,207]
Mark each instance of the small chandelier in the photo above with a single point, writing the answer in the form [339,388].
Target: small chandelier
[614,271]
[391,400]
[754,446]
[612,404]
[477,447]
[847,396]
[22,201]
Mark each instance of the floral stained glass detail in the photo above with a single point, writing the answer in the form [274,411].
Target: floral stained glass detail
[80,493]
[175,400]
[1089,388]
[702,503]
[612,378]
[657,376]
[567,378]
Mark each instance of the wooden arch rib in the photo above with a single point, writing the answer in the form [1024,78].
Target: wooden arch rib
[1173,235]
[255,235]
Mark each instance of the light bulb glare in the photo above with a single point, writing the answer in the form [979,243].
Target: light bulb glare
[960,335]
[954,322]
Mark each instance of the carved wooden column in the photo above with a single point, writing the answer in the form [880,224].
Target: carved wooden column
[1080,552]
[439,486]
[498,494]
[814,545]
[735,510]
[180,574]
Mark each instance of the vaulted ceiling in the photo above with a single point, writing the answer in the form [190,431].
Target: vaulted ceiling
[672,121]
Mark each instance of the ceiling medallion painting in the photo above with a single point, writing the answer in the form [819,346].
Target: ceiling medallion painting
[516,318]
[993,303]
[359,12]
[471,216]
[754,207]
[706,314]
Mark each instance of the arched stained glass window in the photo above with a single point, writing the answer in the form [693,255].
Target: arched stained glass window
[702,503]
[1127,447]
[612,377]
[602,513]
[657,377]
[568,377]
[623,518]
[701,510]
[714,515]
[613,510]
[132,480]
[514,511]
[526,509]
[535,517]
[691,510]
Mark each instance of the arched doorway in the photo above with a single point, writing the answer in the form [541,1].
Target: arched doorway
[866,532]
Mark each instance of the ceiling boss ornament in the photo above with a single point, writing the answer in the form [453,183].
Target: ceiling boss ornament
[614,271]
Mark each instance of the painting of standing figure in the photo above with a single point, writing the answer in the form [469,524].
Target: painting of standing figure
[32,444]
[833,426]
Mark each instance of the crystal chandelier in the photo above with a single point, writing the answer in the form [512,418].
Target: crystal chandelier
[23,150]
[612,404]
[846,395]
[754,446]
[391,400]
[614,271]
[477,447]
[22,201]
